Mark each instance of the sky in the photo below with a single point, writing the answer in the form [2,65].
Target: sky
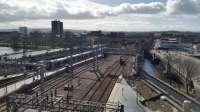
[108,15]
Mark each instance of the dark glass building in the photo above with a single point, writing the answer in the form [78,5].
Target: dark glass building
[57,27]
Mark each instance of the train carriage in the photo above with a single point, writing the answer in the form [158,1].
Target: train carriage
[61,62]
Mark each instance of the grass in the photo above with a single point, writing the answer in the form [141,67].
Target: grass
[177,86]
[183,90]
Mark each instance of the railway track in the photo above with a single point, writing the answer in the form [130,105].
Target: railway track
[100,95]
[94,88]
[110,84]
[171,92]
[99,90]
[96,93]
[37,88]
[3,107]
[9,81]
[86,96]
[59,83]
[50,84]
[64,79]
[108,89]
[96,96]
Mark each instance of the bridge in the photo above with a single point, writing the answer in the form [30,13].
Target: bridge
[120,51]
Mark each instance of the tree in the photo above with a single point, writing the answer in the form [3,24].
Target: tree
[189,69]
[169,59]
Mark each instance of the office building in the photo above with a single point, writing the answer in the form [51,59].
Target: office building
[57,27]
[23,31]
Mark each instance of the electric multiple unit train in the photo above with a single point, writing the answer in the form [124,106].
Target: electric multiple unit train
[77,59]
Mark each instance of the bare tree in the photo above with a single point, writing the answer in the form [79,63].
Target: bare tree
[189,69]
[169,59]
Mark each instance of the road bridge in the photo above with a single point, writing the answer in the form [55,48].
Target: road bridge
[120,51]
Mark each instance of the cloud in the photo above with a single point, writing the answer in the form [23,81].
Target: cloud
[183,6]
[16,10]
[19,10]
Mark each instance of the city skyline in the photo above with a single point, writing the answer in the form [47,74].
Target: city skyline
[118,15]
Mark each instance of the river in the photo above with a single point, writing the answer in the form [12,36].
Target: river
[149,68]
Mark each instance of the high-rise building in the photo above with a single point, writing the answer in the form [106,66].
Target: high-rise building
[23,31]
[57,27]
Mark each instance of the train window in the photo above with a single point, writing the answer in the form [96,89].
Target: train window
[50,66]
[78,58]
[82,57]
[61,63]
[67,60]
[86,56]
[57,64]
[89,55]
[74,59]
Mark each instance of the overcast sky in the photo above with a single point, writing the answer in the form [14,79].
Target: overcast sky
[117,15]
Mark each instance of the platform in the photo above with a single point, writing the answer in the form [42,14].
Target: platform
[125,95]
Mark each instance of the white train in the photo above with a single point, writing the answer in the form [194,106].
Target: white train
[77,59]
[55,64]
